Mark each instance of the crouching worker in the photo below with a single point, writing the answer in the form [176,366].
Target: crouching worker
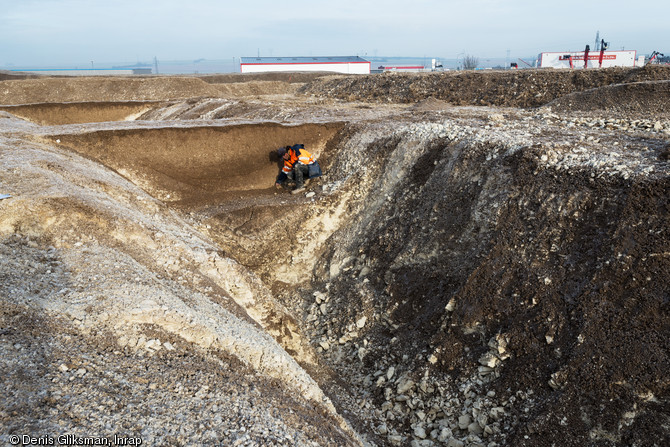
[299,165]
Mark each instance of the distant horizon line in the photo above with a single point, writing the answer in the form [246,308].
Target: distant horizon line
[127,64]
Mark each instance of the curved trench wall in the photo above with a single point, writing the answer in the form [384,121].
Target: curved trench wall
[48,114]
[198,165]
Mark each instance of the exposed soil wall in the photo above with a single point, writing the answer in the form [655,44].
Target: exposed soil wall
[477,249]
[195,166]
[106,89]
[639,98]
[74,113]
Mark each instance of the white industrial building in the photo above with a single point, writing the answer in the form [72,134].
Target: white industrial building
[339,64]
[596,59]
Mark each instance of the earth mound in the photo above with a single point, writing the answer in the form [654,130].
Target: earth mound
[523,88]
[638,98]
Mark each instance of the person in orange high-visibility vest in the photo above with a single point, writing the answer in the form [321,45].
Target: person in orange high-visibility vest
[298,164]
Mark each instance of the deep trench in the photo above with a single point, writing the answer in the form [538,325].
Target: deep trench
[463,249]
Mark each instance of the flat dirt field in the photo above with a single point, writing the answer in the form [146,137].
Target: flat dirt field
[484,262]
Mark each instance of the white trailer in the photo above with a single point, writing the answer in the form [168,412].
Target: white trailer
[575,59]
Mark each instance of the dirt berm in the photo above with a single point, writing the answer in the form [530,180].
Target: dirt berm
[483,263]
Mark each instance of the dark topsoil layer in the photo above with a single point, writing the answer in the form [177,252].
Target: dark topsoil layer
[571,271]
[512,88]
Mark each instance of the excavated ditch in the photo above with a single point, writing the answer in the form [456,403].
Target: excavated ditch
[48,114]
[460,277]
[196,166]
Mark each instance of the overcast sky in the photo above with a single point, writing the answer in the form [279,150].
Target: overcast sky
[60,32]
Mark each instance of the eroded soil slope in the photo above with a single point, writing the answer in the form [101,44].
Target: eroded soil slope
[490,287]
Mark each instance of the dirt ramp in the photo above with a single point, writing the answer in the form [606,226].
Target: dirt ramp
[48,114]
[198,165]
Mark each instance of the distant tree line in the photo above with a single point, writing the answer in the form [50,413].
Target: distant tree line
[470,62]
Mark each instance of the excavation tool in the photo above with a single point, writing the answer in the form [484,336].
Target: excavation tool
[525,63]
[654,57]
[569,58]
[586,56]
[603,47]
